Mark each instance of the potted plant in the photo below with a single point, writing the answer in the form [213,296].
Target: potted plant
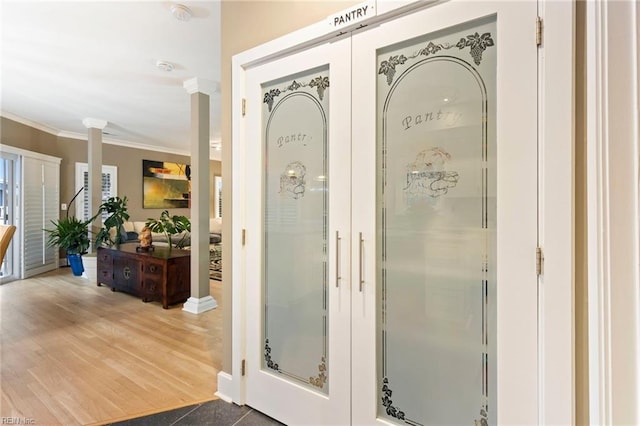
[72,235]
[169,226]
[116,209]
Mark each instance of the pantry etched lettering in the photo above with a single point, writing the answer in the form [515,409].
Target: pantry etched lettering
[446,117]
[294,137]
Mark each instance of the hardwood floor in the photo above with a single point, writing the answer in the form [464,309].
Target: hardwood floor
[73,353]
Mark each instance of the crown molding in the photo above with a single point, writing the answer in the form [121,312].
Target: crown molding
[213,154]
[126,143]
[29,123]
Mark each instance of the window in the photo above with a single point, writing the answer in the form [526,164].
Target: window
[109,188]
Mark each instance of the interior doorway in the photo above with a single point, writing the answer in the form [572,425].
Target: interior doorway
[354,253]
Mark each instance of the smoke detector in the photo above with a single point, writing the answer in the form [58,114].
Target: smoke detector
[164,66]
[181,12]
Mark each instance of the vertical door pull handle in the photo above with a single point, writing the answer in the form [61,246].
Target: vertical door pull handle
[338,277]
[361,260]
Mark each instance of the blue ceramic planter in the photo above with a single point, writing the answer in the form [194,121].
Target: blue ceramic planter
[75,260]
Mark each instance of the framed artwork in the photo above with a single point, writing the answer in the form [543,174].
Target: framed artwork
[165,185]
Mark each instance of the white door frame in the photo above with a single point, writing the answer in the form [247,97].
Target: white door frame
[556,199]
[613,128]
[12,260]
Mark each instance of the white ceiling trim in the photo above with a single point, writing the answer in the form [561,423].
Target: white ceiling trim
[27,122]
[213,155]
[124,143]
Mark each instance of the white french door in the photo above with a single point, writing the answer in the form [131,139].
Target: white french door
[298,173]
[391,182]
[444,181]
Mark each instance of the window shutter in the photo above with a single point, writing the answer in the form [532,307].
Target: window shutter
[41,183]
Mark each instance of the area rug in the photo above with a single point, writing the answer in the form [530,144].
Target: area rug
[215,261]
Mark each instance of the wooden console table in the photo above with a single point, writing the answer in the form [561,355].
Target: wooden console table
[162,274]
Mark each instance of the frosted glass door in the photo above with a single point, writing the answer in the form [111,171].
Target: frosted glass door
[436,225]
[298,206]
[295,315]
[444,213]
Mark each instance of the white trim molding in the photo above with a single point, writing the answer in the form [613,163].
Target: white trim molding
[26,122]
[225,387]
[556,156]
[556,355]
[613,123]
[214,154]
[238,333]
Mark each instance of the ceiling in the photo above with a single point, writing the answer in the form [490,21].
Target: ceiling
[62,62]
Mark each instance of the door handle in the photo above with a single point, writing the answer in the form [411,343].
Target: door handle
[361,261]
[338,277]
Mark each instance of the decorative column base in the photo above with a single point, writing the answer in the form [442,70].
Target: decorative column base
[90,262]
[198,306]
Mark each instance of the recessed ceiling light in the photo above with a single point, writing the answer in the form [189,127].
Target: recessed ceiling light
[164,66]
[181,12]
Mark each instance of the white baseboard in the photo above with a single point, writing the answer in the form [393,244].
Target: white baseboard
[225,387]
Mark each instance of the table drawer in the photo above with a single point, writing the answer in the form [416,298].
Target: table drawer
[153,269]
[105,276]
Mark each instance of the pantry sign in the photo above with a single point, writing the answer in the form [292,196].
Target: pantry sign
[353,15]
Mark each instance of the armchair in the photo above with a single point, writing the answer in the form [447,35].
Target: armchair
[6,233]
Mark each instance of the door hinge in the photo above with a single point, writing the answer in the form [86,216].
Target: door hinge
[539,261]
[244,107]
[244,236]
[538,31]
[243,367]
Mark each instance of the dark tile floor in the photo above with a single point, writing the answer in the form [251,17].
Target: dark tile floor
[215,413]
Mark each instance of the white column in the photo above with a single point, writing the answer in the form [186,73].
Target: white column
[94,161]
[200,300]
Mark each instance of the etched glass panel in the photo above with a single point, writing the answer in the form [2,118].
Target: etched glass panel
[436,227]
[295,131]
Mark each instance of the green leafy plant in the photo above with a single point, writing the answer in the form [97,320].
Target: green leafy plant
[116,209]
[70,234]
[169,226]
